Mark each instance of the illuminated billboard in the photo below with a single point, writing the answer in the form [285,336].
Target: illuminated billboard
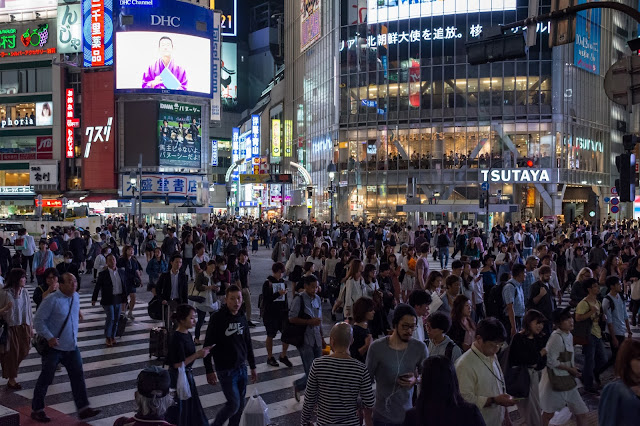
[164,49]
[179,134]
[97,32]
[229,75]
[393,10]
[70,28]
[154,61]
[310,28]
[229,11]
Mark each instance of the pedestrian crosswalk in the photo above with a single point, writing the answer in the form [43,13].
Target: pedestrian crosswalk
[111,372]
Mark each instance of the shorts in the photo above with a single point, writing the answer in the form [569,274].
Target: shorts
[274,322]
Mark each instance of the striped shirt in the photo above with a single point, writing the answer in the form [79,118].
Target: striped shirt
[334,386]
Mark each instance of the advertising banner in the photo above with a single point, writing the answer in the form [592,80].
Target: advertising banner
[255,136]
[29,39]
[163,184]
[179,134]
[216,47]
[214,153]
[275,137]
[44,113]
[229,9]
[97,32]
[164,49]
[288,138]
[70,28]
[393,10]
[70,123]
[586,48]
[235,144]
[228,75]
[310,28]
[98,133]
[13,6]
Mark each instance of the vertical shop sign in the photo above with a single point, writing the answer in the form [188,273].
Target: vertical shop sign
[70,123]
[235,144]
[275,137]
[288,138]
[255,143]
[214,153]
[70,28]
[216,45]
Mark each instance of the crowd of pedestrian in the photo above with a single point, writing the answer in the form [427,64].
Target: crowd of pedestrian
[453,346]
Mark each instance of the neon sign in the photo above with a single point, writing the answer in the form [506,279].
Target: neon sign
[31,42]
[71,123]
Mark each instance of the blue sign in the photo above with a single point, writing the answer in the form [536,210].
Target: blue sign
[615,201]
[97,32]
[235,144]
[255,136]
[134,3]
[586,49]
[615,209]
[485,186]
[607,199]
[214,153]
[248,204]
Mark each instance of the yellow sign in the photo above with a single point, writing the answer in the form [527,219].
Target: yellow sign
[288,138]
[309,203]
[254,178]
[275,137]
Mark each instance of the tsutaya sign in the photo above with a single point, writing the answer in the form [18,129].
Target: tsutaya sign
[516,175]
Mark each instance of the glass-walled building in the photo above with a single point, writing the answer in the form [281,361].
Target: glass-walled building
[420,130]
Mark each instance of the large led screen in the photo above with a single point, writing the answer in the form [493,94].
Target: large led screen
[163,62]
[13,6]
[393,10]
[179,134]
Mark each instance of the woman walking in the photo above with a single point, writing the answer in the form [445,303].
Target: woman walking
[206,288]
[15,309]
[188,412]
[156,266]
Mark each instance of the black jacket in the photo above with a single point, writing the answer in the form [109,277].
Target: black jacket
[163,287]
[105,285]
[230,333]
[72,268]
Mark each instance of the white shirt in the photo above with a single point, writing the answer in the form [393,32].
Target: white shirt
[31,245]
[115,281]
[481,378]
[174,285]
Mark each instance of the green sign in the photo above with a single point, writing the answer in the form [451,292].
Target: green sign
[179,134]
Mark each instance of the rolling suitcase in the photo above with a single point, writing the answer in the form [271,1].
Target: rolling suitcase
[159,339]
[122,323]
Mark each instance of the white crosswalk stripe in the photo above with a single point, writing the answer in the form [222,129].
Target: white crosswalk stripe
[111,372]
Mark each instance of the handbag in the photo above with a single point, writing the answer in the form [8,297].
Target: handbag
[517,381]
[293,334]
[562,383]
[197,298]
[41,344]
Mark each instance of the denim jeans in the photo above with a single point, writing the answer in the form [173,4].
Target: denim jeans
[72,361]
[111,323]
[308,354]
[234,388]
[594,360]
[443,253]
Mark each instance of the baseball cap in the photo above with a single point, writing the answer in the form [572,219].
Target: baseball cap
[153,382]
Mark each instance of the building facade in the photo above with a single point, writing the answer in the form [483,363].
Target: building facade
[420,130]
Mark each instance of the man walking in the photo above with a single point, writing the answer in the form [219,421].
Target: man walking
[392,362]
[173,286]
[57,321]
[228,333]
[111,282]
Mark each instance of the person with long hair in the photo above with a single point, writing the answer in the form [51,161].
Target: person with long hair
[463,328]
[187,254]
[182,353]
[15,310]
[440,402]
[611,268]
[434,282]
[206,288]
[354,286]
[528,350]
[452,287]
[394,273]
[620,399]
[133,275]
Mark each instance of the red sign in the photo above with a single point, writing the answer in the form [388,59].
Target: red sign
[99,132]
[44,148]
[71,124]
[614,191]
[97,32]
[49,203]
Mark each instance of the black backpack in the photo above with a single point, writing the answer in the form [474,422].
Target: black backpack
[528,240]
[494,303]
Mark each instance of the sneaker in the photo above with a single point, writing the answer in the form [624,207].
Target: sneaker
[40,416]
[296,395]
[285,361]
[130,316]
[88,412]
[272,362]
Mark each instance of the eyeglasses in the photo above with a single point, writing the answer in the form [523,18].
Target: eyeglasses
[408,327]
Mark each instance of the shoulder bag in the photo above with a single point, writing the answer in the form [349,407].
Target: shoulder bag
[516,377]
[41,344]
[293,334]
[562,383]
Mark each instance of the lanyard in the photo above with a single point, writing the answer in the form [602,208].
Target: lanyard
[500,380]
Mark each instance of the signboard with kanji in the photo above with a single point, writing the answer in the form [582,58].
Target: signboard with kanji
[43,174]
[28,39]
[179,134]
[163,184]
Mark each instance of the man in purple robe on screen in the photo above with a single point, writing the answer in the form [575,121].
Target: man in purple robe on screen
[165,73]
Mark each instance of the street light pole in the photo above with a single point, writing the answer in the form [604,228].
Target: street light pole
[134,187]
[140,191]
[331,169]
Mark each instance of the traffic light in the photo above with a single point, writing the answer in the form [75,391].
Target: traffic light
[626,187]
[494,48]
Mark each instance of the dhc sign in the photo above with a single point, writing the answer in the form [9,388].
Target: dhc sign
[516,175]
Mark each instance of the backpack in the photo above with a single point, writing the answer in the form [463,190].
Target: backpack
[528,240]
[448,352]
[611,304]
[274,252]
[494,304]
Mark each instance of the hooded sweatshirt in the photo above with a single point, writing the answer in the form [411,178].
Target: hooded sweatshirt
[232,339]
